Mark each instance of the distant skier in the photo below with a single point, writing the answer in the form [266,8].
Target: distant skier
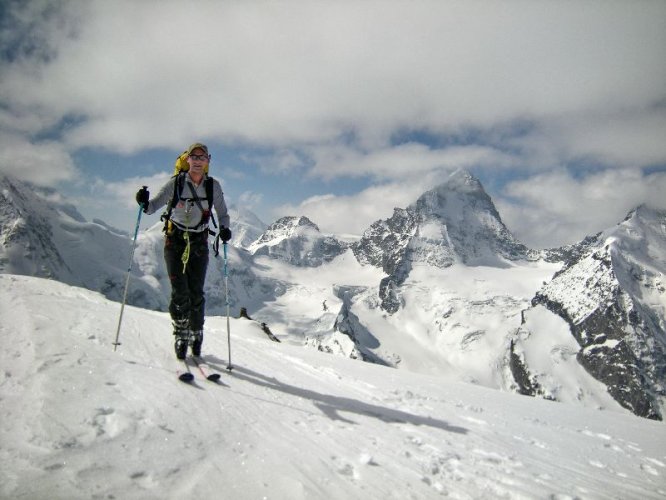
[190,196]
[323,304]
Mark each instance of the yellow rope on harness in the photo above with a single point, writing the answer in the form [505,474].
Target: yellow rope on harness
[186,253]
[186,236]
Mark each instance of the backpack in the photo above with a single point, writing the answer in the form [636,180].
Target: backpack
[180,170]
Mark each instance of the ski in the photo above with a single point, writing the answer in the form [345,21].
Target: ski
[204,369]
[185,374]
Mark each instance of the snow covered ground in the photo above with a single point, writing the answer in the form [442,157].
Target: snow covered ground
[299,311]
[457,321]
[82,421]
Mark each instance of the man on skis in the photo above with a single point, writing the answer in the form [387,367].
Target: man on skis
[190,197]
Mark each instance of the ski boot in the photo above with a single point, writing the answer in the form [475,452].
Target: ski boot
[197,339]
[182,333]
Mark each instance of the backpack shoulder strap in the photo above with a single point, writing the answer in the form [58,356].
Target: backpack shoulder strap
[178,188]
[209,190]
[179,181]
[209,196]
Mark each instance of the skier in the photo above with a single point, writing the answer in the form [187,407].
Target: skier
[188,195]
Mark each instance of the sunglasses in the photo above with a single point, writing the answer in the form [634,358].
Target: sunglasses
[199,157]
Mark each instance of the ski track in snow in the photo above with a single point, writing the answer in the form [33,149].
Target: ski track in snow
[83,421]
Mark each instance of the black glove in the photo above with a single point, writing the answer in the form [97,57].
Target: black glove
[142,197]
[225,234]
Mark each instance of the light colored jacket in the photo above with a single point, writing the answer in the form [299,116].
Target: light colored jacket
[186,214]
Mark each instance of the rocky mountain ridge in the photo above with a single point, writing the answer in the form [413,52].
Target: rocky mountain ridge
[456,294]
[454,222]
[613,299]
[298,241]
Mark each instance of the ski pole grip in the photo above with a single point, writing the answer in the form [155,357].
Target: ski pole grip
[144,207]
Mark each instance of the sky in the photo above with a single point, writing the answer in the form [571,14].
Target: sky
[342,111]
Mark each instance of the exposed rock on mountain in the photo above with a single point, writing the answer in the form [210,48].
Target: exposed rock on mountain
[297,240]
[613,299]
[455,222]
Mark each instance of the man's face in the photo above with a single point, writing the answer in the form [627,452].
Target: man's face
[197,160]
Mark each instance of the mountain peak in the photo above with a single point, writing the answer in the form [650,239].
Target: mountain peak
[645,213]
[641,234]
[470,224]
[297,240]
[285,227]
[300,221]
[459,193]
[462,180]
[245,226]
[454,222]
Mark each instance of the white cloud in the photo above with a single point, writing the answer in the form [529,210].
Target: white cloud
[401,161]
[123,193]
[43,163]
[556,208]
[353,214]
[250,200]
[616,139]
[114,202]
[299,72]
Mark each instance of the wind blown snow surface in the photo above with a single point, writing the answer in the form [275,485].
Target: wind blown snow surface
[82,421]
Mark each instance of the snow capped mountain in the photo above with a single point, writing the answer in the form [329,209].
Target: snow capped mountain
[607,349]
[441,288]
[454,282]
[297,240]
[472,232]
[454,222]
[609,307]
[246,227]
[40,235]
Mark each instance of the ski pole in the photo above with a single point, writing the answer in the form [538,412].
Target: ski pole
[226,299]
[129,269]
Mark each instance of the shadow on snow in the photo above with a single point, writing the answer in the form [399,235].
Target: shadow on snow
[330,405]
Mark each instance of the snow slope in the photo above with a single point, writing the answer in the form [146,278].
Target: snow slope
[82,421]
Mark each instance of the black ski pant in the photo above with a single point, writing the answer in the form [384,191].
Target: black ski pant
[187,286]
